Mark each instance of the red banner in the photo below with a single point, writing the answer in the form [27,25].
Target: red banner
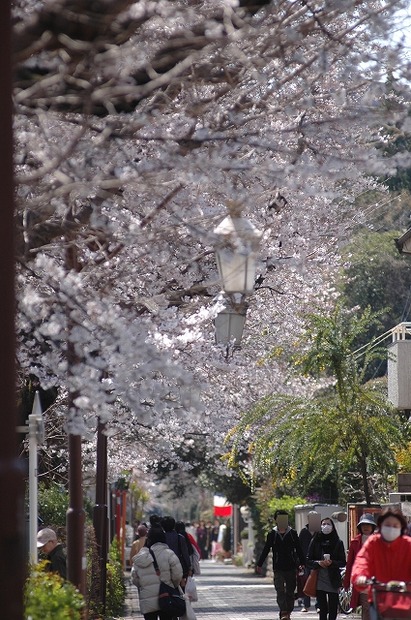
[223,511]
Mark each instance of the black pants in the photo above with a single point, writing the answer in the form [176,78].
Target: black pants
[285,582]
[328,604]
[156,615]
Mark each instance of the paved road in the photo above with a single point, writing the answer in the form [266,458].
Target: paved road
[226,592]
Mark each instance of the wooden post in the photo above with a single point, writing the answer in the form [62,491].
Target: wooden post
[12,530]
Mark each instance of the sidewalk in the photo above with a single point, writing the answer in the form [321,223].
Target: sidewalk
[227,592]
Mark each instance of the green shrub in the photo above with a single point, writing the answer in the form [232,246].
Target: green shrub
[48,597]
[115,587]
[52,504]
[93,576]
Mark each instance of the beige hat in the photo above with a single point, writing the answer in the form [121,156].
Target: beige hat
[45,536]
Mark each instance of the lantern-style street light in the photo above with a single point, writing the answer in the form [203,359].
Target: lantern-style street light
[229,323]
[236,256]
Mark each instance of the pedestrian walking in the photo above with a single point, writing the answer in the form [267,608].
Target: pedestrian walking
[386,556]
[177,543]
[326,554]
[312,526]
[365,526]
[139,543]
[203,540]
[145,577]
[287,557]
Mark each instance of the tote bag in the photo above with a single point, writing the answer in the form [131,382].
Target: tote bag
[310,587]
[191,589]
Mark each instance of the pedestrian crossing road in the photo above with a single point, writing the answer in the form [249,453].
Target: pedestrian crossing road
[227,592]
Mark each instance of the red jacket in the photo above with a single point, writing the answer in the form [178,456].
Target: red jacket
[355,546]
[383,560]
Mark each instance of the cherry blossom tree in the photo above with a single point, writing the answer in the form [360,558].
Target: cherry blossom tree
[136,124]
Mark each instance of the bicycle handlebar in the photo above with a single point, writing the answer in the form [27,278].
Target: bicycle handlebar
[389,586]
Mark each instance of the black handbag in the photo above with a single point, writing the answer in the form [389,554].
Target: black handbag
[171,600]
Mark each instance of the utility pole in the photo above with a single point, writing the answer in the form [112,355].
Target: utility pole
[12,560]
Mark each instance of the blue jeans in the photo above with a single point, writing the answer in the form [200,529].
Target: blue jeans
[285,582]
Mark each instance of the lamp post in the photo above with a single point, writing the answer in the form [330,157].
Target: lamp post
[229,323]
[236,256]
[36,437]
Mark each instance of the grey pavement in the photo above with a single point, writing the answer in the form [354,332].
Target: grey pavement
[230,593]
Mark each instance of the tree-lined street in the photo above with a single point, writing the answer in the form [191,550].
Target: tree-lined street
[173,170]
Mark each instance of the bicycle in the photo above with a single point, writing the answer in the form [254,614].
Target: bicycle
[344,597]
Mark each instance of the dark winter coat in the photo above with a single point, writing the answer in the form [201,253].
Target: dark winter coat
[286,548]
[177,543]
[57,561]
[332,544]
[305,538]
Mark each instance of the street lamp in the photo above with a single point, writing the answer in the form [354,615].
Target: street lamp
[236,254]
[229,323]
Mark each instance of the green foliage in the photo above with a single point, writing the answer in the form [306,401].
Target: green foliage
[93,575]
[284,503]
[351,427]
[396,141]
[48,597]
[53,502]
[116,591]
[378,276]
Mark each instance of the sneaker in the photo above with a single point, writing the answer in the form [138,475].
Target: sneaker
[304,609]
[318,610]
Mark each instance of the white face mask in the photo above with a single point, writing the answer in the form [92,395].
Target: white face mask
[390,533]
[326,528]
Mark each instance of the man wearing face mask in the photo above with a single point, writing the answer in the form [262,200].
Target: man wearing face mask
[287,556]
[386,555]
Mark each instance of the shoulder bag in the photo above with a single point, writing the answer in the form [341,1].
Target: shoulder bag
[310,587]
[171,600]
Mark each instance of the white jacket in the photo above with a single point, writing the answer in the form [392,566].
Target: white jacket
[147,581]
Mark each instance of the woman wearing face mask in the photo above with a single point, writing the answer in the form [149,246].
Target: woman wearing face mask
[326,554]
[365,526]
[386,555]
